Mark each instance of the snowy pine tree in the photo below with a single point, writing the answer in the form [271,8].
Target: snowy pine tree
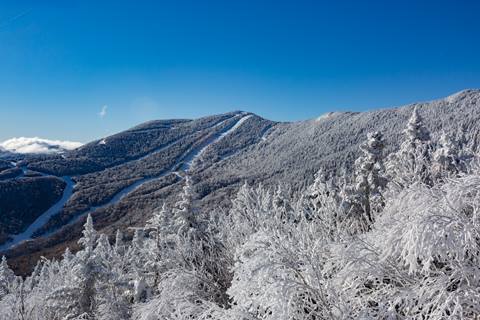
[363,198]
[446,158]
[370,179]
[185,220]
[412,162]
[89,235]
[7,277]
[78,296]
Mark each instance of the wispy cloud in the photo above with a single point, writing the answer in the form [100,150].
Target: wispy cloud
[103,112]
[5,23]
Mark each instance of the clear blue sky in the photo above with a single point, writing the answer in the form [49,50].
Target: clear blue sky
[61,62]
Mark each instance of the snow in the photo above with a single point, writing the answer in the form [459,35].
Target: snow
[197,152]
[276,255]
[155,151]
[326,116]
[265,133]
[187,161]
[118,196]
[43,218]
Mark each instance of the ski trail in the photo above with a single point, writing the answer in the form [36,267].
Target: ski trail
[263,138]
[266,132]
[68,191]
[43,218]
[186,162]
[116,199]
[197,152]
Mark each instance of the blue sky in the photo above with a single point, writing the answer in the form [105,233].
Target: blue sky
[64,62]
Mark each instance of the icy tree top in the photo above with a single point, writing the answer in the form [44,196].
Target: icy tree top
[415,128]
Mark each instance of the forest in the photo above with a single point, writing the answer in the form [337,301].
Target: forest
[395,236]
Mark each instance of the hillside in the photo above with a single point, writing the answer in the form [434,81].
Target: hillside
[121,179]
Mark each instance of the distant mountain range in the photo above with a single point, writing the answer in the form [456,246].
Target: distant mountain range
[121,179]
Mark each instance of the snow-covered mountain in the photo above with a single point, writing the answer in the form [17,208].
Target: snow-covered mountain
[121,179]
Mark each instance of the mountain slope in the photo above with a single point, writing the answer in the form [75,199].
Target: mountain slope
[122,178]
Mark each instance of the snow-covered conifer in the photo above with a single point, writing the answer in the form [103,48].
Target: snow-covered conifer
[412,162]
[89,235]
[369,172]
[7,277]
[185,220]
[446,158]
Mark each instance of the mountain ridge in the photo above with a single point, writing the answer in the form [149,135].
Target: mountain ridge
[256,151]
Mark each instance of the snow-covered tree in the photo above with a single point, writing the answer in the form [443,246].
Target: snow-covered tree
[421,259]
[412,162]
[370,180]
[112,285]
[7,277]
[281,204]
[160,226]
[89,235]
[350,247]
[77,297]
[446,158]
[185,220]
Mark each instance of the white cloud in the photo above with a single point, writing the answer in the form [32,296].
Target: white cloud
[37,145]
[103,112]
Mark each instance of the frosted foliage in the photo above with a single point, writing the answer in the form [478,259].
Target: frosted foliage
[412,162]
[422,257]
[184,217]
[6,277]
[416,130]
[89,235]
[360,245]
[370,180]
[447,159]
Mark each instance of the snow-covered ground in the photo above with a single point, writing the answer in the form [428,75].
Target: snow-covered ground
[188,160]
[197,152]
[265,133]
[326,116]
[186,163]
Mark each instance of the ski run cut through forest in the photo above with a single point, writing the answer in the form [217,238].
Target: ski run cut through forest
[394,235]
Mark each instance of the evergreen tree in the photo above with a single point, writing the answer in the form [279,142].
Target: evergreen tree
[7,277]
[446,159]
[281,205]
[185,221]
[82,291]
[89,235]
[363,198]
[370,179]
[412,162]
[111,300]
